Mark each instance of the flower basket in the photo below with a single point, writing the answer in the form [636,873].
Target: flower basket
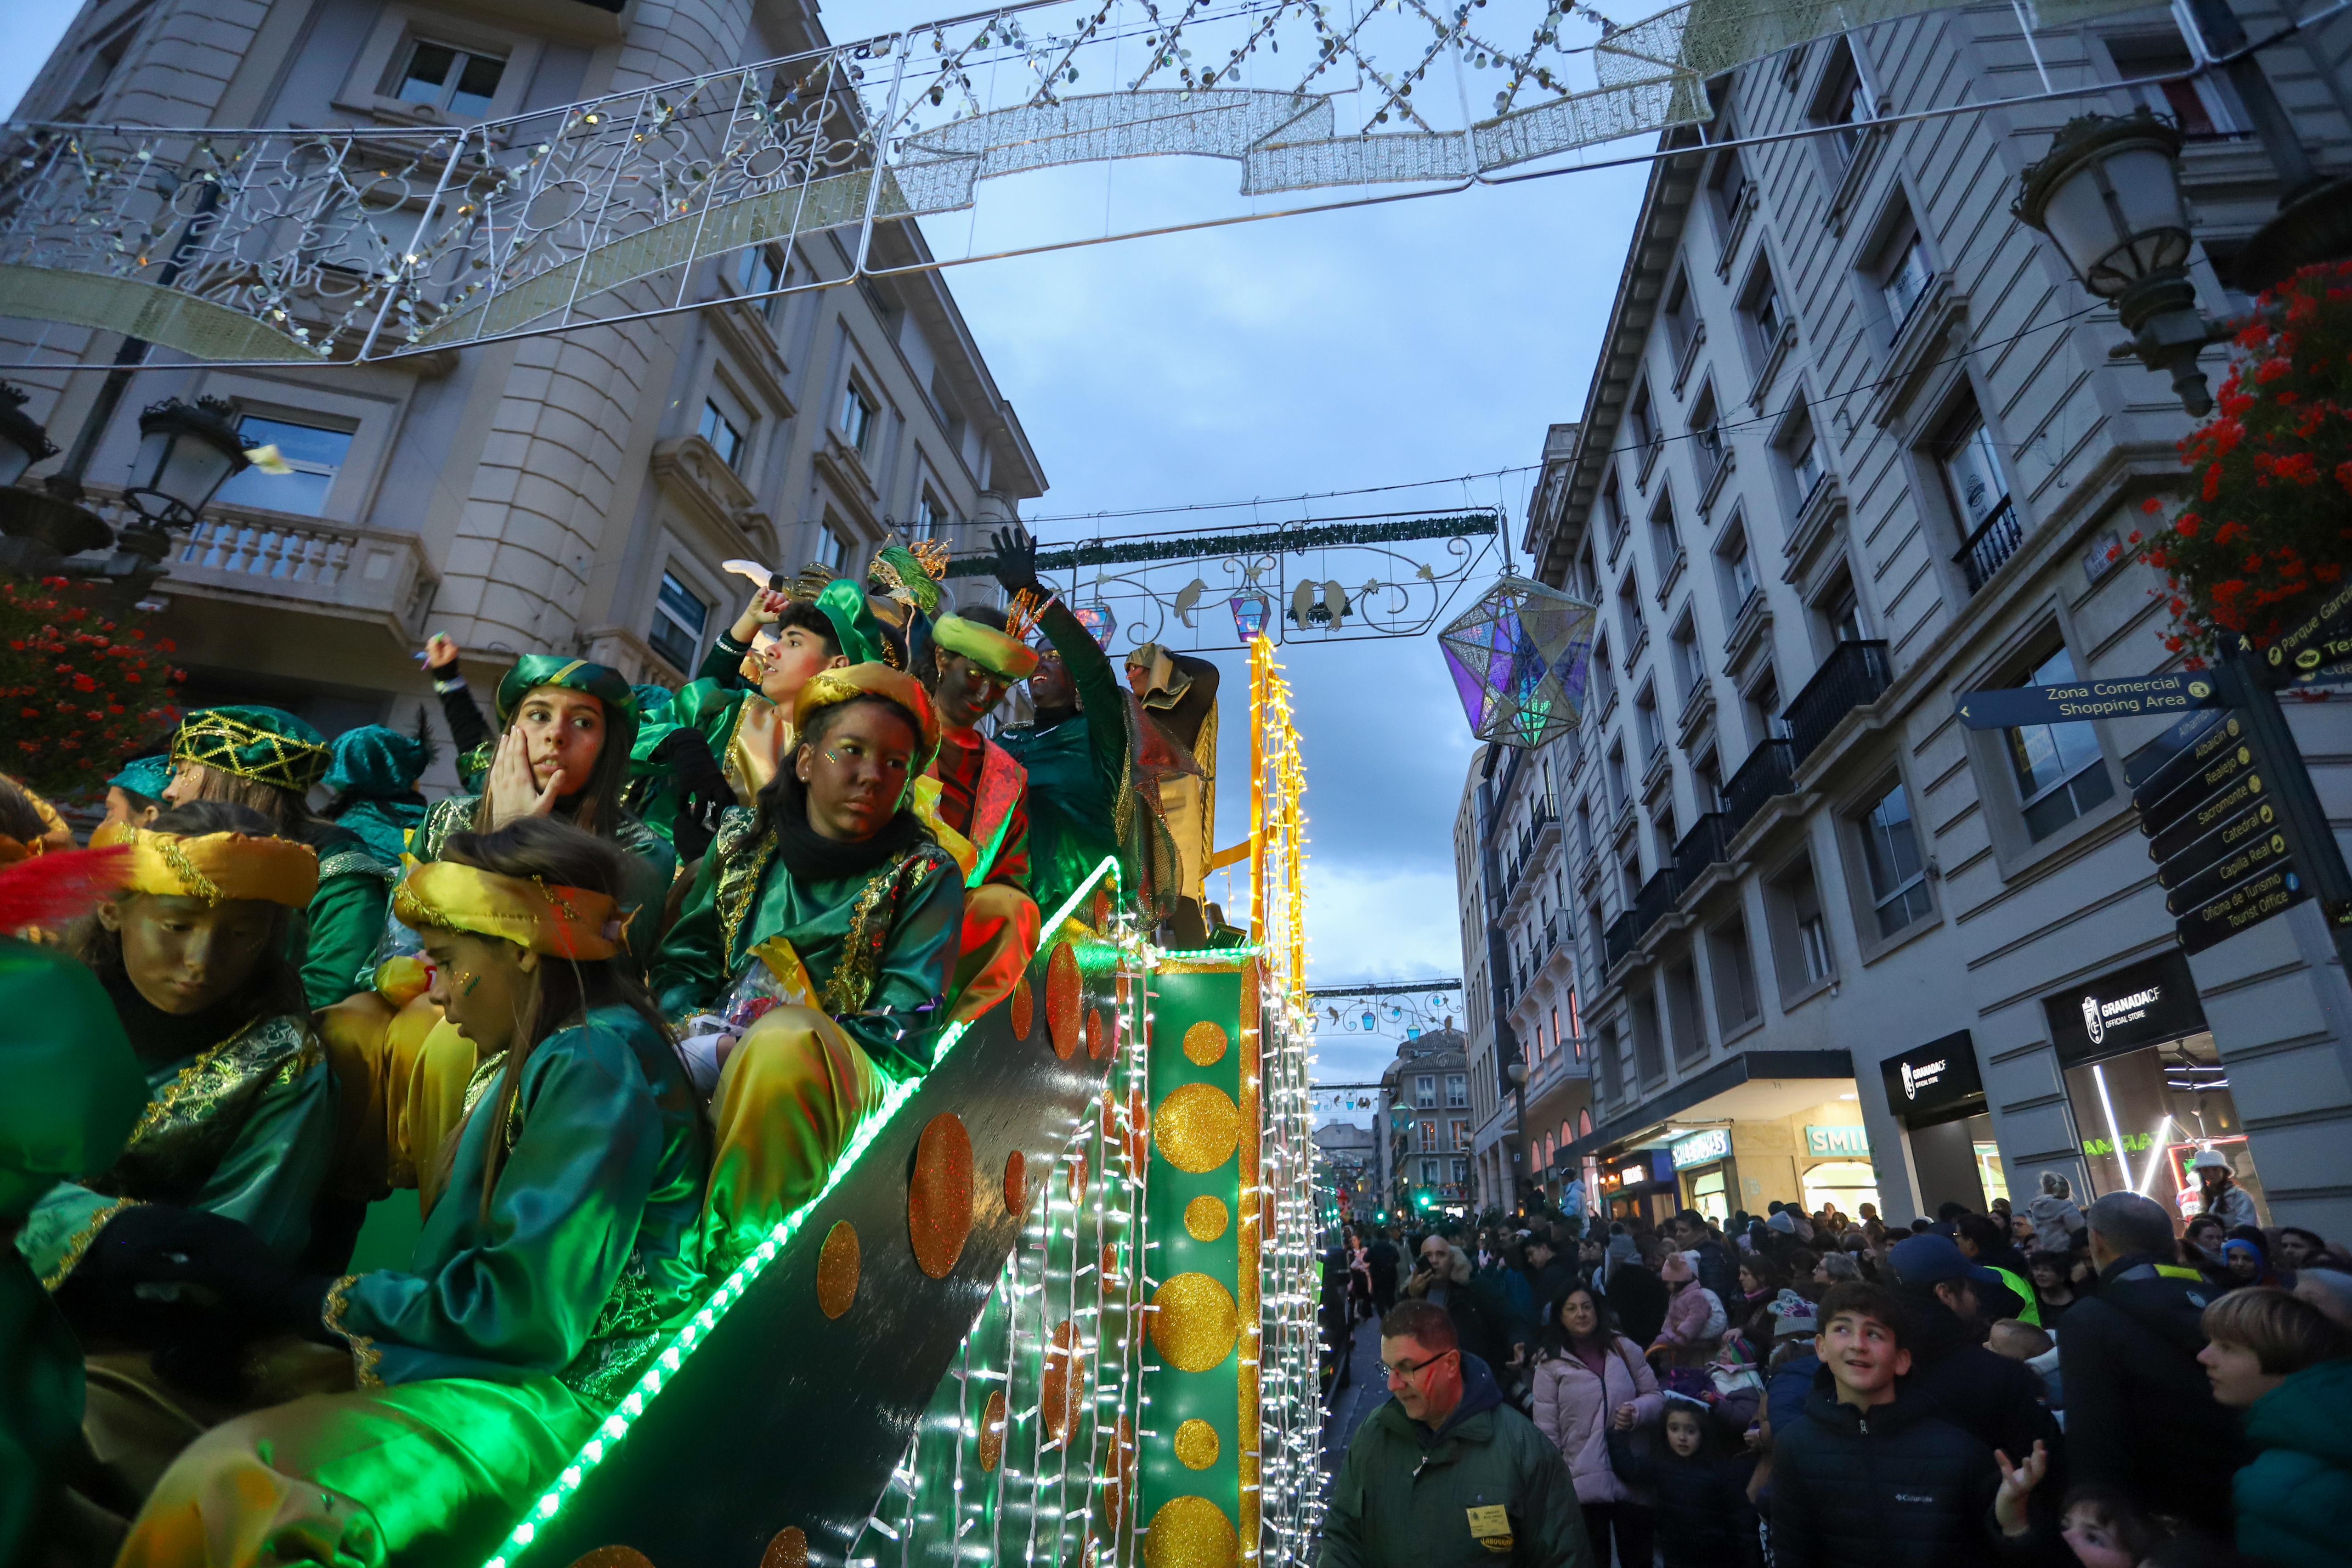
[76,691]
[2268,528]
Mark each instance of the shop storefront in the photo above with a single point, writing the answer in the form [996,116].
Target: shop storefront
[1705,1173]
[1937,1092]
[2146,1086]
[1836,1169]
[1639,1184]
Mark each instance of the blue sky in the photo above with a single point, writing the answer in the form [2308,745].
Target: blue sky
[1368,347]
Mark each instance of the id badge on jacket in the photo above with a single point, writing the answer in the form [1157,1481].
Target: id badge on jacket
[1491,1528]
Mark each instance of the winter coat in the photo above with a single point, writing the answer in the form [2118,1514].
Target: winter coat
[2233,1206]
[1993,1399]
[2140,1413]
[2294,1500]
[1897,1487]
[1573,1408]
[1694,1314]
[1704,1517]
[2055,1220]
[1639,1299]
[1718,1272]
[1404,1493]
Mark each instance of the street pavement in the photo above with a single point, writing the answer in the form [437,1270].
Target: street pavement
[1357,1396]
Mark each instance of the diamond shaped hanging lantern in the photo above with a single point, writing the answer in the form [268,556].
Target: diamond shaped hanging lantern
[1522,660]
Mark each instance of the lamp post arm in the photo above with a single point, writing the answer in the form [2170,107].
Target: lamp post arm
[2225,40]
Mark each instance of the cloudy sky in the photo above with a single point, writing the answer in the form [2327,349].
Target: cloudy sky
[1369,347]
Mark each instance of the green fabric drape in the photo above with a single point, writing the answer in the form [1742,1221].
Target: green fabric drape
[587,1261]
[337,940]
[246,1129]
[745,894]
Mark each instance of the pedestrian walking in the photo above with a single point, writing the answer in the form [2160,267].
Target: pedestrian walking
[1586,1372]
[1446,1474]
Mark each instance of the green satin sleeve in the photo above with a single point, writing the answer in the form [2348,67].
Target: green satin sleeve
[689,972]
[64,1221]
[271,1174]
[711,710]
[346,920]
[520,1292]
[913,975]
[1099,690]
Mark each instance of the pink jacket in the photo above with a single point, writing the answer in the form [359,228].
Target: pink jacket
[1693,1316]
[1574,1408]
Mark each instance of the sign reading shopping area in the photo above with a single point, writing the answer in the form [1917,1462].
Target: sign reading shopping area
[2079,702]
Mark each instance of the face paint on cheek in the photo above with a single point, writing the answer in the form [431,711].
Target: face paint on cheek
[471,981]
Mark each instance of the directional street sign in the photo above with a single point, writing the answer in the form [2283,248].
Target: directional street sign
[2248,904]
[2007,707]
[2324,639]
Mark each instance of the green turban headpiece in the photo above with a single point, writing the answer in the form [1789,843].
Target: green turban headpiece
[656,717]
[854,625]
[602,682]
[267,745]
[143,776]
[374,762]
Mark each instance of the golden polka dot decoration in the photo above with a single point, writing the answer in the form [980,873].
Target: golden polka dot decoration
[1198,1127]
[1063,1390]
[1078,1178]
[1110,1115]
[1139,1129]
[1194,1323]
[1017,1183]
[939,1195]
[1063,1000]
[1205,1043]
[1102,907]
[788,1550]
[615,1557]
[1205,1218]
[992,1432]
[1191,1532]
[836,1269]
[1098,1038]
[1024,1009]
[1196,1444]
[1117,1464]
[1111,1278]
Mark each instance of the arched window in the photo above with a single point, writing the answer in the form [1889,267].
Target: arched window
[1584,1123]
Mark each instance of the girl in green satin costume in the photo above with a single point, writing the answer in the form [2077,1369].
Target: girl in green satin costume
[268,760]
[240,1112]
[560,1260]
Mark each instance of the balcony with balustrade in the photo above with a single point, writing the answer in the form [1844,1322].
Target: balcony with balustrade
[1856,674]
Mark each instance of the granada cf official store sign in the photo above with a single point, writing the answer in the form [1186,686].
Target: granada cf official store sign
[2146,1086]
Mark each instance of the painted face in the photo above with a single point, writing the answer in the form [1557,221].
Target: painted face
[1050,686]
[789,660]
[480,984]
[564,732]
[966,692]
[857,771]
[183,955]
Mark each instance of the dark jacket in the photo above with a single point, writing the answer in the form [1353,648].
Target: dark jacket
[1382,1255]
[1993,1399]
[1704,1517]
[1404,1493]
[1639,1299]
[2140,1414]
[1718,1272]
[2294,1499]
[1901,1489]
[1548,1284]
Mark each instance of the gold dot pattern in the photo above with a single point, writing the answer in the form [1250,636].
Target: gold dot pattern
[1205,1043]
[1191,1532]
[1198,1127]
[1206,1216]
[836,1269]
[939,1195]
[1194,1323]
[1196,1444]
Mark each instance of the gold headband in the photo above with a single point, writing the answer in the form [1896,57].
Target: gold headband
[214,866]
[847,683]
[566,922]
[1007,657]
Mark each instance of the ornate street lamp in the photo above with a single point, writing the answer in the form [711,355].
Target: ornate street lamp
[186,452]
[23,439]
[2108,193]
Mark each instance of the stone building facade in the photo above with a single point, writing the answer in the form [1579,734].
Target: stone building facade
[1855,446]
[569,493]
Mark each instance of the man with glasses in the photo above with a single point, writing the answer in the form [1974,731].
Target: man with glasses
[1446,1474]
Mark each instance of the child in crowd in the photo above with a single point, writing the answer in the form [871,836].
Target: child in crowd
[1703,1518]
[1870,1477]
[2024,1342]
[2104,1528]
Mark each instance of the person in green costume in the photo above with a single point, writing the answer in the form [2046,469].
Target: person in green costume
[371,785]
[741,702]
[240,1111]
[814,951]
[135,795]
[266,758]
[74,1092]
[1083,803]
[560,1261]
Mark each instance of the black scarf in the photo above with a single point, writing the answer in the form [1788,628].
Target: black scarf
[160,1039]
[810,856]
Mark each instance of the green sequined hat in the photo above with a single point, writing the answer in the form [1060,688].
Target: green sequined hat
[267,745]
[599,681]
[374,761]
[143,776]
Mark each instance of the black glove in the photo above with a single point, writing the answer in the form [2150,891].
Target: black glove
[224,1259]
[701,787]
[1016,560]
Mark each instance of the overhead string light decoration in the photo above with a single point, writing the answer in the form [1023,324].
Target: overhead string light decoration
[343,244]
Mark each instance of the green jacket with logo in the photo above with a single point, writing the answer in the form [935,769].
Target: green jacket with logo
[1405,1496]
